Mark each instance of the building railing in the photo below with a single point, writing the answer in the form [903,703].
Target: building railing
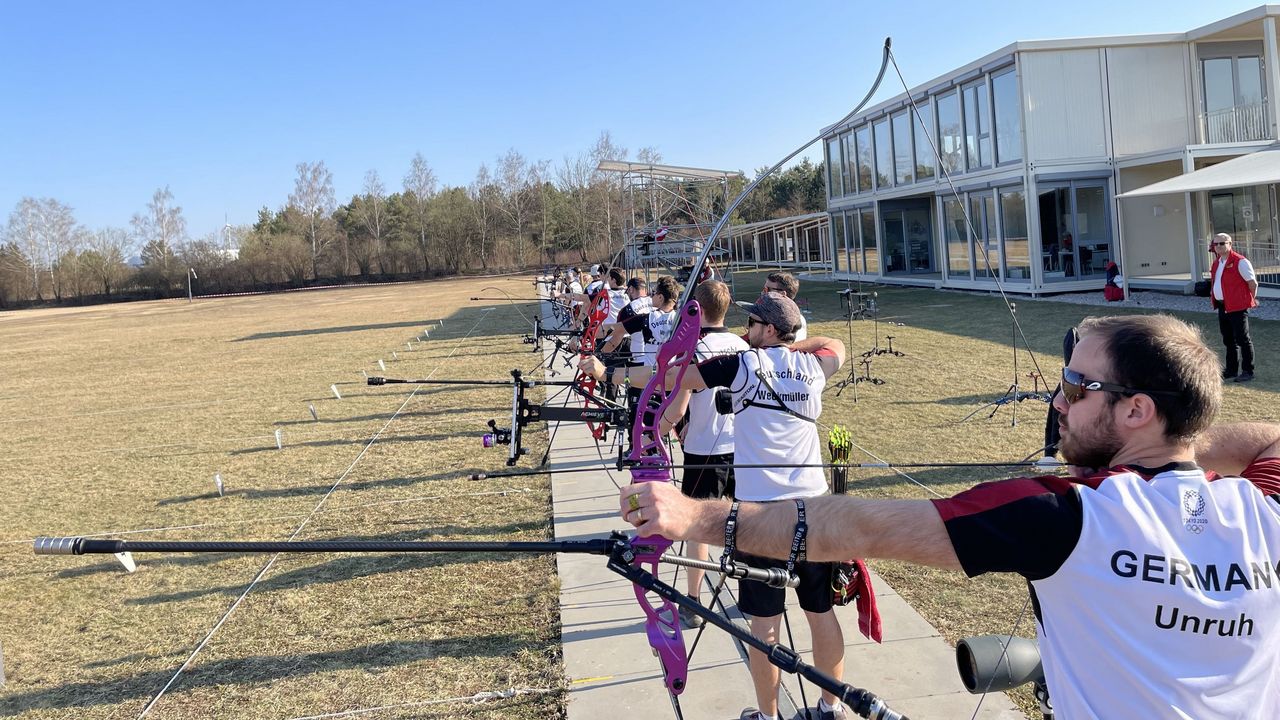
[1241,123]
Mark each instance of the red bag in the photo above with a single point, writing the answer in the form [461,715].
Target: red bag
[1112,293]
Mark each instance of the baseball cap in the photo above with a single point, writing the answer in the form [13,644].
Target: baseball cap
[662,233]
[775,309]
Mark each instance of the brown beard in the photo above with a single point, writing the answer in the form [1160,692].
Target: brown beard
[1091,448]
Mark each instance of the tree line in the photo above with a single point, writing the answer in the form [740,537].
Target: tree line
[517,214]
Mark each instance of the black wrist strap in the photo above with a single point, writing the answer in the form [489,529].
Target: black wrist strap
[798,541]
[730,536]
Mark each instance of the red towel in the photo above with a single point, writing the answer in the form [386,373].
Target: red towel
[868,614]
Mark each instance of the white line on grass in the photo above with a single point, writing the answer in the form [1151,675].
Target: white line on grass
[477,698]
[262,573]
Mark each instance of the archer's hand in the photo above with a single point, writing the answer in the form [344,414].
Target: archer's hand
[592,366]
[663,509]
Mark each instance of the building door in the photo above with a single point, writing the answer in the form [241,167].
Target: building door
[908,241]
[1075,230]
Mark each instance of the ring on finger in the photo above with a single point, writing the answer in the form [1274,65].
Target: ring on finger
[633,502]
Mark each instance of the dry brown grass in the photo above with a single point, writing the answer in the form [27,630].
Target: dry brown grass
[117,418]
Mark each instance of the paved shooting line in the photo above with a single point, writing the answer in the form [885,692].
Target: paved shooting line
[612,672]
[301,526]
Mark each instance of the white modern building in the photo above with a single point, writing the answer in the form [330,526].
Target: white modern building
[1041,141]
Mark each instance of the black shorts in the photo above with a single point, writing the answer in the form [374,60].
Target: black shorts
[714,482]
[759,600]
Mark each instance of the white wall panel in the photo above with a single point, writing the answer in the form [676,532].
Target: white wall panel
[1063,96]
[1148,98]
[1154,226]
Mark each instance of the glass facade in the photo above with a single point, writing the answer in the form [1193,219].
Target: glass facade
[845,179]
[870,242]
[977,126]
[956,235]
[986,244]
[1004,94]
[950,144]
[884,154]
[926,162]
[862,143]
[839,253]
[903,149]
[1017,244]
[835,187]
[850,172]
[1075,230]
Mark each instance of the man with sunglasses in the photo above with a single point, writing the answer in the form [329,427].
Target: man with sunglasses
[1156,582]
[1235,291]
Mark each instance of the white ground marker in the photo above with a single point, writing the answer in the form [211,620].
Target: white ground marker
[337,394]
[394,356]
[314,416]
[217,482]
[126,559]
[1,666]
[381,365]
[408,345]
[279,439]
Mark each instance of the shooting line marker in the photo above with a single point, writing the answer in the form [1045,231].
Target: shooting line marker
[217,482]
[314,416]
[279,439]
[334,388]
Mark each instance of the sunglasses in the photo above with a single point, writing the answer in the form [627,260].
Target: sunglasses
[1075,384]
[752,321]
[1219,244]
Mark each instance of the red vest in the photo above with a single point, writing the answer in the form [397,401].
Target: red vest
[1235,291]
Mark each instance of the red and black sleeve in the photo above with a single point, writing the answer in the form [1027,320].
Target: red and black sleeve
[1028,526]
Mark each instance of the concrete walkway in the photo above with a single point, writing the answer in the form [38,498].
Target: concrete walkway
[607,658]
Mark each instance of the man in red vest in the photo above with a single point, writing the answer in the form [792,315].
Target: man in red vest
[1235,290]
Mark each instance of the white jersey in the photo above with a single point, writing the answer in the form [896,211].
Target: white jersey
[660,326]
[575,288]
[1156,598]
[617,301]
[773,420]
[709,432]
[802,332]
[594,286]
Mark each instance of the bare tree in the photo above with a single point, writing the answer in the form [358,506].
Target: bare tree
[160,231]
[313,196]
[420,186]
[484,202]
[63,239]
[104,260]
[515,180]
[373,215]
[26,232]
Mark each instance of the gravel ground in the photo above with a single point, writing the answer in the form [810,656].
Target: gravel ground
[1269,309]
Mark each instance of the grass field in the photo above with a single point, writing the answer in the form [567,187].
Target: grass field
[116,418]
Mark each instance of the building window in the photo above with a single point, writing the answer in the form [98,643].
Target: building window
[862,146]
[834,187]
[951,143]
[884,154]
[977,126]
[870,244]
[845,179]
[851,227]
[1234,101]
[839,253]
[903,148]
[926,163]
[1013,225]
[986,244]
[849,170]
[956,235]
[1004,93]
[1075,230]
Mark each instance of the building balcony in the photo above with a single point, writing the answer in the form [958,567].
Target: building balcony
[1242,123]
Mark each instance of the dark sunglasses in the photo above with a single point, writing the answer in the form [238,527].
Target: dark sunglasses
[752,321]
[1075,384]
[1219,244]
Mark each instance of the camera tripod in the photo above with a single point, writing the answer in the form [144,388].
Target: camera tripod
[856,307]
[1015,394]
[874,307]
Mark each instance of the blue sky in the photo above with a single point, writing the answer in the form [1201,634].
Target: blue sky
[106,102]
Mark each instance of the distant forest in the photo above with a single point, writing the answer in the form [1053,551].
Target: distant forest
[517,214]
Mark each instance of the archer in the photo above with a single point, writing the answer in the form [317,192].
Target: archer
[1154,579]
